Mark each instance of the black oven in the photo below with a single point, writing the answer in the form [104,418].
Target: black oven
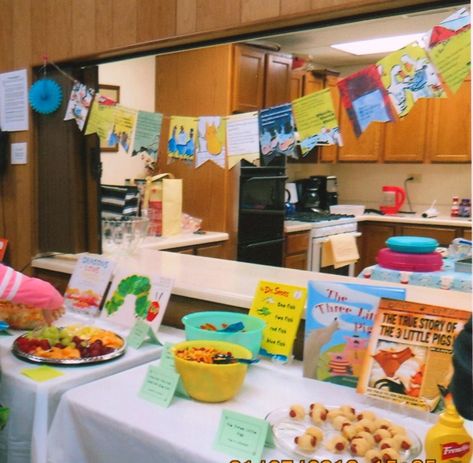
[261,215]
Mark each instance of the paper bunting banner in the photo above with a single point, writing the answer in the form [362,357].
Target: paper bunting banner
[124,125]
[456,23]
[79,104]
[181,143]
[242,138]
[316,121]
[276,128]
[211,140]
[147,134]
[453,59]
[101,120]
[409,75]
[365,99]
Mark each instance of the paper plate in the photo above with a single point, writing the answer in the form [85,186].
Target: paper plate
[285,429]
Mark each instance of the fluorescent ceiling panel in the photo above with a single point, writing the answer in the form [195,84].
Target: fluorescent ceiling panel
[379,45]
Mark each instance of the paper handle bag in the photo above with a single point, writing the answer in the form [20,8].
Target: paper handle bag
[163,203]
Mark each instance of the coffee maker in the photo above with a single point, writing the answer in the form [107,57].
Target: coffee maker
[317,193]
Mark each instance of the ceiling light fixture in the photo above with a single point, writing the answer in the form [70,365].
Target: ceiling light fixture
[379,45]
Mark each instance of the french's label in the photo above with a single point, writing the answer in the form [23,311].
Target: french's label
[454,450]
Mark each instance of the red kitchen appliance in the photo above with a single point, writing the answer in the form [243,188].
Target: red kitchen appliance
[393,199]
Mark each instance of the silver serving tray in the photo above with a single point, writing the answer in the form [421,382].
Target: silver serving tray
[82,361]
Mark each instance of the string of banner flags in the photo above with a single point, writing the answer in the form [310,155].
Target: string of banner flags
[376,93]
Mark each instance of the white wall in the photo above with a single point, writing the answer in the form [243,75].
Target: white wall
[136,79]
[361,183]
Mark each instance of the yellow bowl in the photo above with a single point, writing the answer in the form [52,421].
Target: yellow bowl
[209,382]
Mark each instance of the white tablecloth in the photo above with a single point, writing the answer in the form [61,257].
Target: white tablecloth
[106,421]
[32,404]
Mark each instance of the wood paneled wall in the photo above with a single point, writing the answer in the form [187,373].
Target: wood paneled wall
[67,30]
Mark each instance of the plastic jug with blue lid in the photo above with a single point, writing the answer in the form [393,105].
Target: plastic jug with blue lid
[412,244]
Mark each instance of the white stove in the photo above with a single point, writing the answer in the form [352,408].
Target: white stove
[325,225]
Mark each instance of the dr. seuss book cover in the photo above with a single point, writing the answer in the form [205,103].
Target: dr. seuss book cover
[339,319]
[280,306]
[409,355]
[88,284]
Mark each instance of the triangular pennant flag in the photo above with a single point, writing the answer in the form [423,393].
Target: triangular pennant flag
[242,138]
[453,59]
[316,121]
[147,134]
[124,125]
[182,135]
[409,75]
[276,128]
[79,104]
[211,140]
[365,99]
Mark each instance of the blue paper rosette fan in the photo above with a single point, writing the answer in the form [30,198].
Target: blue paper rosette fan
[45,96]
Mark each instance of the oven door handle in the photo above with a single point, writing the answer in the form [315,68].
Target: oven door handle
[274,177]
[263,243]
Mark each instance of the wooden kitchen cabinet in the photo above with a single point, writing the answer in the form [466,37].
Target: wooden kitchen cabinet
[373,238]
[277,79]
[405,139]
[261,79]
[296,247]
[449,136]
[248,84]
[368,147]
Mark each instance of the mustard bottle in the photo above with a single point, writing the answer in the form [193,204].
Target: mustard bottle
[447,441]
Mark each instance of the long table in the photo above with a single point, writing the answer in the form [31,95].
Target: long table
[32,404]
[106,421]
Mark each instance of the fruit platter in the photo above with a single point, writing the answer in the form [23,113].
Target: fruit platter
[70,345]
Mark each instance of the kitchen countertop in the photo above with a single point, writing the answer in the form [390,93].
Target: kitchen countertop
[65,263]
[295,226]
[418,219]
[234,283]
[183,240]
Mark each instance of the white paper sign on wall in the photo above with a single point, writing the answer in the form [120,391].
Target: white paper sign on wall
[19,153]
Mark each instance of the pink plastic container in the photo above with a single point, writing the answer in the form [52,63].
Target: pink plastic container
[426,262]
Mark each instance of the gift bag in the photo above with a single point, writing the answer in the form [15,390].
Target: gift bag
[162,204]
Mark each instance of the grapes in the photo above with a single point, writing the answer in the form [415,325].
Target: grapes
[83,339]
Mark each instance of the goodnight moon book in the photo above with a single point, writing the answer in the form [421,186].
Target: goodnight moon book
[339,320]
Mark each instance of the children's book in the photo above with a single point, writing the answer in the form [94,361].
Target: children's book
[135,297]
[339,319]
[88,283]
[280,306]
[409,353]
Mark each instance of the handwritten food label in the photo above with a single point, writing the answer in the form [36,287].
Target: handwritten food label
[159,385]
[167,362]
[139,333]
[88,283]
[241,435]
[41,373]
[280,306]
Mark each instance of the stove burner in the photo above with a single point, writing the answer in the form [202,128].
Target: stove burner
[316,216]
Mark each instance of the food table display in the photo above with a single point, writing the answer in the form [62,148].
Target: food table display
[33,404]
[107,420]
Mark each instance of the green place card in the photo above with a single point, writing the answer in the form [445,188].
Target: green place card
[159,386]
[42,373]
[139,333]
[241,435]
[167,361]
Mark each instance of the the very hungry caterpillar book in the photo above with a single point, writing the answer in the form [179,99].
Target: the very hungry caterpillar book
[339,319]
